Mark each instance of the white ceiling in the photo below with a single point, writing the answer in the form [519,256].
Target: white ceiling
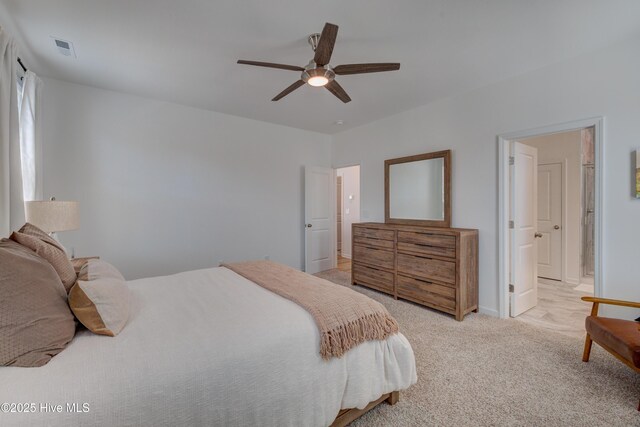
[185,51]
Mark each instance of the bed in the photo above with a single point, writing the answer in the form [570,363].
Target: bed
[237,355]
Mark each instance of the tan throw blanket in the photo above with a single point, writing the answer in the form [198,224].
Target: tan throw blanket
[344,317]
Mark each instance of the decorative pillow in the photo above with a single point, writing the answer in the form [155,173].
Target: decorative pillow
[78,263]
[95,269]
[45,246]
[35,320]
[101,301]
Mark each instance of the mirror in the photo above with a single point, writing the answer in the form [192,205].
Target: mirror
[417,189]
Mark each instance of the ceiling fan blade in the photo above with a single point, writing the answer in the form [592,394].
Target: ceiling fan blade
[366,68]
[337,90]
[325,45]
[288,90]
[271,65]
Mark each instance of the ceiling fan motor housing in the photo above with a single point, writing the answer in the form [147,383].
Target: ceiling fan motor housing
[312,70]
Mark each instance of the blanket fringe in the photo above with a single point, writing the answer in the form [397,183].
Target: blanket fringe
[338,341]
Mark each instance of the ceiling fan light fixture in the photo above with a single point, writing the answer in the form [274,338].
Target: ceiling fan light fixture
[318,81]
[318,76]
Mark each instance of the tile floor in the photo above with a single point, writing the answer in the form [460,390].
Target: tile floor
[559,308]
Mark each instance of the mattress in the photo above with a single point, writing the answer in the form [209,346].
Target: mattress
[205,347]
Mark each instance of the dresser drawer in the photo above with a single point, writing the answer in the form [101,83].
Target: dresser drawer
[427,239]
[425,291]
[374,256]
[378,279]
[428,268]
[427,250]
[367,241]
[374,233]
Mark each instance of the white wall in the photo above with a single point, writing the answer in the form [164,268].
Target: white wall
[350,205]
[165,188]
[565,148]
[602,83]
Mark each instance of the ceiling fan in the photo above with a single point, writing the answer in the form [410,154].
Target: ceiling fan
[318,72]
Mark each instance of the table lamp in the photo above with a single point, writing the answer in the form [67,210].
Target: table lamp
[53,215]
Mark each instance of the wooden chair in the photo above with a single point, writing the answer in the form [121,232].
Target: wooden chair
[619,337]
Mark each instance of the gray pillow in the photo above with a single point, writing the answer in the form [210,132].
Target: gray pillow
[35,320]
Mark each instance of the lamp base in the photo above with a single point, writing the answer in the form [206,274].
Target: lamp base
[54,236]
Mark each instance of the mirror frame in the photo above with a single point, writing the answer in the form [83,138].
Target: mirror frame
[446,222]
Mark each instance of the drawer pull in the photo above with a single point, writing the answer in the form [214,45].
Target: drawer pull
[373,248]
[421,257]
[422,281]
[425,245]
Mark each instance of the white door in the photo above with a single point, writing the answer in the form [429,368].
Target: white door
[524,255]
[319,200]
[550,221]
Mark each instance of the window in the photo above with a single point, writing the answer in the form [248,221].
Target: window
[19,85]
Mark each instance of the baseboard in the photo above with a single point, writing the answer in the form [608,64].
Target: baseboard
[488,311]
[347,256]
[572,281]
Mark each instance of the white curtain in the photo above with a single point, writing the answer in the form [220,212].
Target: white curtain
[30,146]
[11,197]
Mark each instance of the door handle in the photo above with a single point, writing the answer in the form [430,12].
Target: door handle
[556,227]
[537,235]
[308,225]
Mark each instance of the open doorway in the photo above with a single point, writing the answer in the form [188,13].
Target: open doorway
[347,212]
[549,247]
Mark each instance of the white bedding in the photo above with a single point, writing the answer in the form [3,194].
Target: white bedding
[206,347]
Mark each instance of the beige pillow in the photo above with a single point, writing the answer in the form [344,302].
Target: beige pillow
[35,320]
[46,247]
[95,269]
[101,303]
[78,263]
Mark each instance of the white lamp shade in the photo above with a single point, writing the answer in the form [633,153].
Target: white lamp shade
[53,215]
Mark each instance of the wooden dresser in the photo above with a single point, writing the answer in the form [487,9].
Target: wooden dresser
[435,267]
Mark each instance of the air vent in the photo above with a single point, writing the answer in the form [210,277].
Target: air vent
[64,47]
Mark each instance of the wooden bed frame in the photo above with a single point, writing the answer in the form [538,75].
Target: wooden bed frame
[346,416]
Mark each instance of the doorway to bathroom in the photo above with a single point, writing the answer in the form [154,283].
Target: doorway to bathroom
[550,241]
[347,212]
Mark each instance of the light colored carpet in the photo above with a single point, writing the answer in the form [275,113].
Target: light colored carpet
[486,371]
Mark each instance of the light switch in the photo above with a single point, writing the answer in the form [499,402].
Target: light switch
[346,211]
